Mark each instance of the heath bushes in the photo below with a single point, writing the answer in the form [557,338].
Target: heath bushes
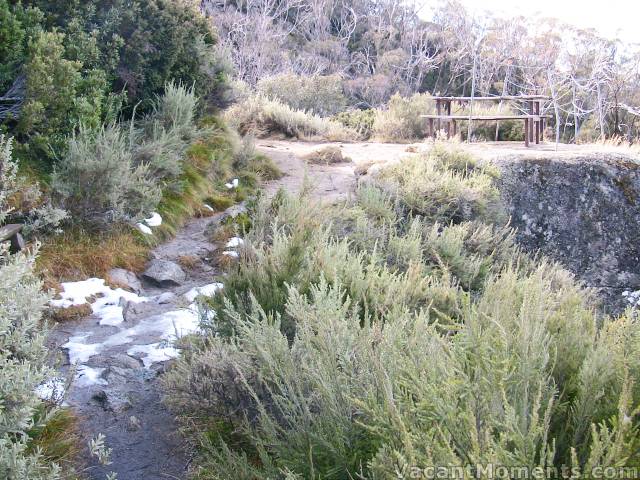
[317,94]
[261,117]
[400,121]
[393,338]
[22,369]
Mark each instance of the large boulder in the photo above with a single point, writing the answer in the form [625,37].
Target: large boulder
[164,273]
[582,210]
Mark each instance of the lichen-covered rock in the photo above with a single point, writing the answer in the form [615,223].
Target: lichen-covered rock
[584,212]
[164,273]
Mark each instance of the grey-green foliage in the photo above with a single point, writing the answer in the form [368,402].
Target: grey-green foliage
[22,367]
[387,339]
[118,172]
[99,180]
[8,173]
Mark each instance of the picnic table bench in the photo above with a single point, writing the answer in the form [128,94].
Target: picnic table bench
[11,233]
[533,120]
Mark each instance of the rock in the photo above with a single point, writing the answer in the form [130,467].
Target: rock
[124,278]
[166,297]
[125,361]
[133,424]
[118,375]
[164,273]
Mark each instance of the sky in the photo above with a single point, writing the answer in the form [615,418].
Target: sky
[610,17]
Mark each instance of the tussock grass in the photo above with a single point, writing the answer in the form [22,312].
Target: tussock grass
[327,156]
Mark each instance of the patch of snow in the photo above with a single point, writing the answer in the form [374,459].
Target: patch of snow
[155,220]
[88,376]
[153,353]
[632,297]
[52,390]
[234,242]
[231,253]
[209,207]
[80,351]
[234,184]
[144,229]
[108,304]
[206,290]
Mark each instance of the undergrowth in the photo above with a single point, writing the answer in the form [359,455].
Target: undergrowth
[401,334]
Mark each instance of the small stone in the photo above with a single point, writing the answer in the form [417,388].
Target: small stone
[166,297]
[133,424]
[164,273]
[124,278]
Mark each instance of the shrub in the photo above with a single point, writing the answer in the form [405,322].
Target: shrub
[262,117]
[327,156]
[385,340]
[316,94]
[446,185]
[401,121]
[22,368]
[98,180]
[360,121]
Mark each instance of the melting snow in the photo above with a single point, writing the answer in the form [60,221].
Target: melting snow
[87,376]
[52,390]
[632,297]
[155,220]
[79,351]
[234,184]
[235,242]
[206,290]
[107,306]
[231,253]
[155,352]
[144,229]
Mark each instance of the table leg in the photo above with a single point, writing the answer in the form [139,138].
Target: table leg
[526,132]
[538,123]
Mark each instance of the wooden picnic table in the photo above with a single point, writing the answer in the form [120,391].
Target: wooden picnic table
[533,120]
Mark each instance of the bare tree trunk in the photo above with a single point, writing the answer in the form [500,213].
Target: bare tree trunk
[556,107]
[600,113]
[473,92]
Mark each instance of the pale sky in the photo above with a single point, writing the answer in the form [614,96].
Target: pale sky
[611,17]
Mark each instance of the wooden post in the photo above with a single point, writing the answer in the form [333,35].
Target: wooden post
[455,128]
[448,110]
[431,132]
[537,108]
[531,122]
[439,113]
[526,132]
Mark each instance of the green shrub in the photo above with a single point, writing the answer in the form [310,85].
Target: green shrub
[320,95]
[22,368]
[262,117]
[360,121]
[446,185]
[98,180]
[401,121]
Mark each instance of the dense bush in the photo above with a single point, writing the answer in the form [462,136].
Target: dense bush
[260,116]
[388,340]
[361,121]
[22,369]
[118,172]
[400,121]
[317,94]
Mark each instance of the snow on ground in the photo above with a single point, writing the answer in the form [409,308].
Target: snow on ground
[107,306]
[206,290]
[235,242]
[234,184]
[154,352]
[155,220]
[632,297]
[144,229]
[52,390]
[231,253]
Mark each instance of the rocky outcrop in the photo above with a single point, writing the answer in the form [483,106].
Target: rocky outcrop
[584,212]
[164,273]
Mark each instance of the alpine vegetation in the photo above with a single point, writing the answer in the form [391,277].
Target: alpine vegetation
[400,335]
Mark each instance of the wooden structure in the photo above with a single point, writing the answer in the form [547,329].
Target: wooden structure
[11,233]
[533,120]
